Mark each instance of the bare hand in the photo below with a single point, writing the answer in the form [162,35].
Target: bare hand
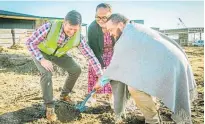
[97,86]
[47,64]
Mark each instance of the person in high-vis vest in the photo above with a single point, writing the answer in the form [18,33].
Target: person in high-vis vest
[49,44]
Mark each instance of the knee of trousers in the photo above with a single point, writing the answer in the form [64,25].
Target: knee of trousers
[46,76]
[76,71]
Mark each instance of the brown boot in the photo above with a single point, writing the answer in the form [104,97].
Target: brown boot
[50,114]
[67,100]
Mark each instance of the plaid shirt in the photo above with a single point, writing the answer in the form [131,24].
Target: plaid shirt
[39,36]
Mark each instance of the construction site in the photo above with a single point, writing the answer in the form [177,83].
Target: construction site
[20,94]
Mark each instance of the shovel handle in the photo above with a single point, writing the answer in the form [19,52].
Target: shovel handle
[88,96]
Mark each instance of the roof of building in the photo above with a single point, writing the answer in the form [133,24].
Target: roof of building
[9,14]
[15,15]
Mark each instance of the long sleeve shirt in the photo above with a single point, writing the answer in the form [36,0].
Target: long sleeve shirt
[40,35]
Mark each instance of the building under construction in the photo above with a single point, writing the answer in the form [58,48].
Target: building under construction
[184,36]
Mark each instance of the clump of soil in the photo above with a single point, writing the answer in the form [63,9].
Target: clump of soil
[131,119]
[106,118]
[66,112]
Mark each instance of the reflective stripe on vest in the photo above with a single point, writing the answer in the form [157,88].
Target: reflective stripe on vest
[73,42]
[50,45]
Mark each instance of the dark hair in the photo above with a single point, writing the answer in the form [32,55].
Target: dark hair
[73,17]
[116,18]
[104,5]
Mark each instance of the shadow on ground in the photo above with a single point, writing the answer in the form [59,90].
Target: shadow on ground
[65,113]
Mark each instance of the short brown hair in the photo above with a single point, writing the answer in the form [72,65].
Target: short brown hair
[116,18]
[73,17]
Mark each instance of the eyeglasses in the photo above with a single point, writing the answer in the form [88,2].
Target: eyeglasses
[104,18]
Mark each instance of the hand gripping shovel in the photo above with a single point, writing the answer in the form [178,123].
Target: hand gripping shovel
[81,106]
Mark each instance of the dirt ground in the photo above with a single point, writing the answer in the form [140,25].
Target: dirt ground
[21,97]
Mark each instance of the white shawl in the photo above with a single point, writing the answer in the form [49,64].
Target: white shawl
[151,62]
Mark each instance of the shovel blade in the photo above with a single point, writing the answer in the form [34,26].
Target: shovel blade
[81,108]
